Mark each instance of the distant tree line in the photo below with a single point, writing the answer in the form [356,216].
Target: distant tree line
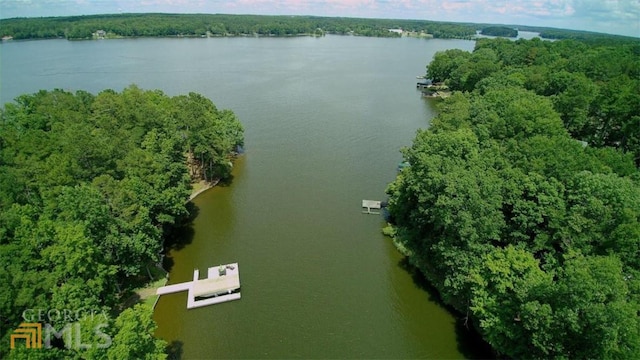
[127,25]
[586,36]
[199,25]
[89,187]
[521,202]
[502,31]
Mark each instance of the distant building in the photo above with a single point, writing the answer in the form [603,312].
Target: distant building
[100,34]
[398,31]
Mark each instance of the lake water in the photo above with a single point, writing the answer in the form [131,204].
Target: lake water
[526,35]
[325,119]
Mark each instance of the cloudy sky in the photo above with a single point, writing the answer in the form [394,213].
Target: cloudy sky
[609,16]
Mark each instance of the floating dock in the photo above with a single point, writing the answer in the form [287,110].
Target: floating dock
[222,284]
[371,204]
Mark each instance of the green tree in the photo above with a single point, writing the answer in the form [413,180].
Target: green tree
[481,64]
[133,336]
[445,63]
[572,95]
[506,287]
[604,216]
[593,315]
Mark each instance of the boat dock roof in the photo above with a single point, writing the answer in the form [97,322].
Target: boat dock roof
[216,285]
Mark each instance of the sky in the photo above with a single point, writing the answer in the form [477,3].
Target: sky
[607,16]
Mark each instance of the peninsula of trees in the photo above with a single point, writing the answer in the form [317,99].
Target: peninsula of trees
[501,31]
[521,204]
[89,187]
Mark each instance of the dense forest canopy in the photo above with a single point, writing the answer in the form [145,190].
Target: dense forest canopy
[521,204]
[90,185]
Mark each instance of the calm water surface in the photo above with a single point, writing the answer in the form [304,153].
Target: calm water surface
[324,118]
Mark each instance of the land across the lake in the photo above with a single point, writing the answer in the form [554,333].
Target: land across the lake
[115,26]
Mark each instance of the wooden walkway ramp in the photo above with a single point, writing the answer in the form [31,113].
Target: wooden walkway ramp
[173,288]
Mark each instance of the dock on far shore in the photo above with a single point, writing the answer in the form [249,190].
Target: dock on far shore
[222,284]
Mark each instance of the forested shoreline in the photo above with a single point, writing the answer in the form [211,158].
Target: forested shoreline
[203,25]
[90,187]
[521,202]
[213,25]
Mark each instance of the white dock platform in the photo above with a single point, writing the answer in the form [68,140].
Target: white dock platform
[371,204]
[220,285]
[173,288]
